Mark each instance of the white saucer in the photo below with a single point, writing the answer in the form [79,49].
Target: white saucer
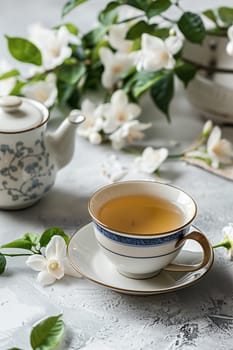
[87,258]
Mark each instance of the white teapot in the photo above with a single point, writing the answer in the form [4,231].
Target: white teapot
[29,159]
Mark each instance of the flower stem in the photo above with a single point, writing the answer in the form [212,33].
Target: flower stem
[179,155]
[224,244]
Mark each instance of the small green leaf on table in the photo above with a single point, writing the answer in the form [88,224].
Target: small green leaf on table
[47,334]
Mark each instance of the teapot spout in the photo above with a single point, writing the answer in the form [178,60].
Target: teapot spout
[62,141]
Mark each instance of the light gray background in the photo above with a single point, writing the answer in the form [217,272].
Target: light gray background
[97,318]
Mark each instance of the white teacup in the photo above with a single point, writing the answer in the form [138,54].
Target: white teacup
[139,254]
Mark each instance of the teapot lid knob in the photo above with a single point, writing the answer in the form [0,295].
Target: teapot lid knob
[10,103]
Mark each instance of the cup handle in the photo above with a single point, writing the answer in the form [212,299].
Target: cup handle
[207,253]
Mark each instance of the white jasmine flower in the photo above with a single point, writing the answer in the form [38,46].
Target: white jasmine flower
[128,133]
[229,47]
[116,37]
[227,231]
[44,91]
[6,85]
[220,150]
[227,243]
[53,44]
[114,65]
[117,112]
[51,265]
[156,54]
[112,169]
[91,126]
[151,159]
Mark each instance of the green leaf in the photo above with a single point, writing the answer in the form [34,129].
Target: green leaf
[71,73]
[162,33]
[14,349]
[92,38]
[109,15]
[10,74]
[49,233]
[64,91]
[139,4]
[20,243]
[2,263]
[17,88]
[70,27]
[157,7]
[110,7]
[24,51]
[142,81]
[226,15]
[47,334]
[192,27]
[138,29]
[210,15]
[185,71]
[162,92]
[32,237]
[70,5]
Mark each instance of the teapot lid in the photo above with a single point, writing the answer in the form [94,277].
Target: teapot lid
[18,114]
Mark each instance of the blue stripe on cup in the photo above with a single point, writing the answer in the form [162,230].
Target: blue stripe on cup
[141,241]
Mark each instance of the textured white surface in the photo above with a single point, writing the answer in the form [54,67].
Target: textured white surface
[97,318]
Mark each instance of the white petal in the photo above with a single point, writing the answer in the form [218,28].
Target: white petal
[117,39]
[214,138]
[56,248]
[151,159]
[106,55]
[152,62]
[45,278]
[228,230]
[108,78]
[207,127]
[119,98]
[229,48]
[95,138]
[133,110]
[174,44]
[88,107]
[150,42]
[170,63]
[36,262]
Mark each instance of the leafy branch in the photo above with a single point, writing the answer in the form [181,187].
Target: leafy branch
[31,242]
[138,54]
